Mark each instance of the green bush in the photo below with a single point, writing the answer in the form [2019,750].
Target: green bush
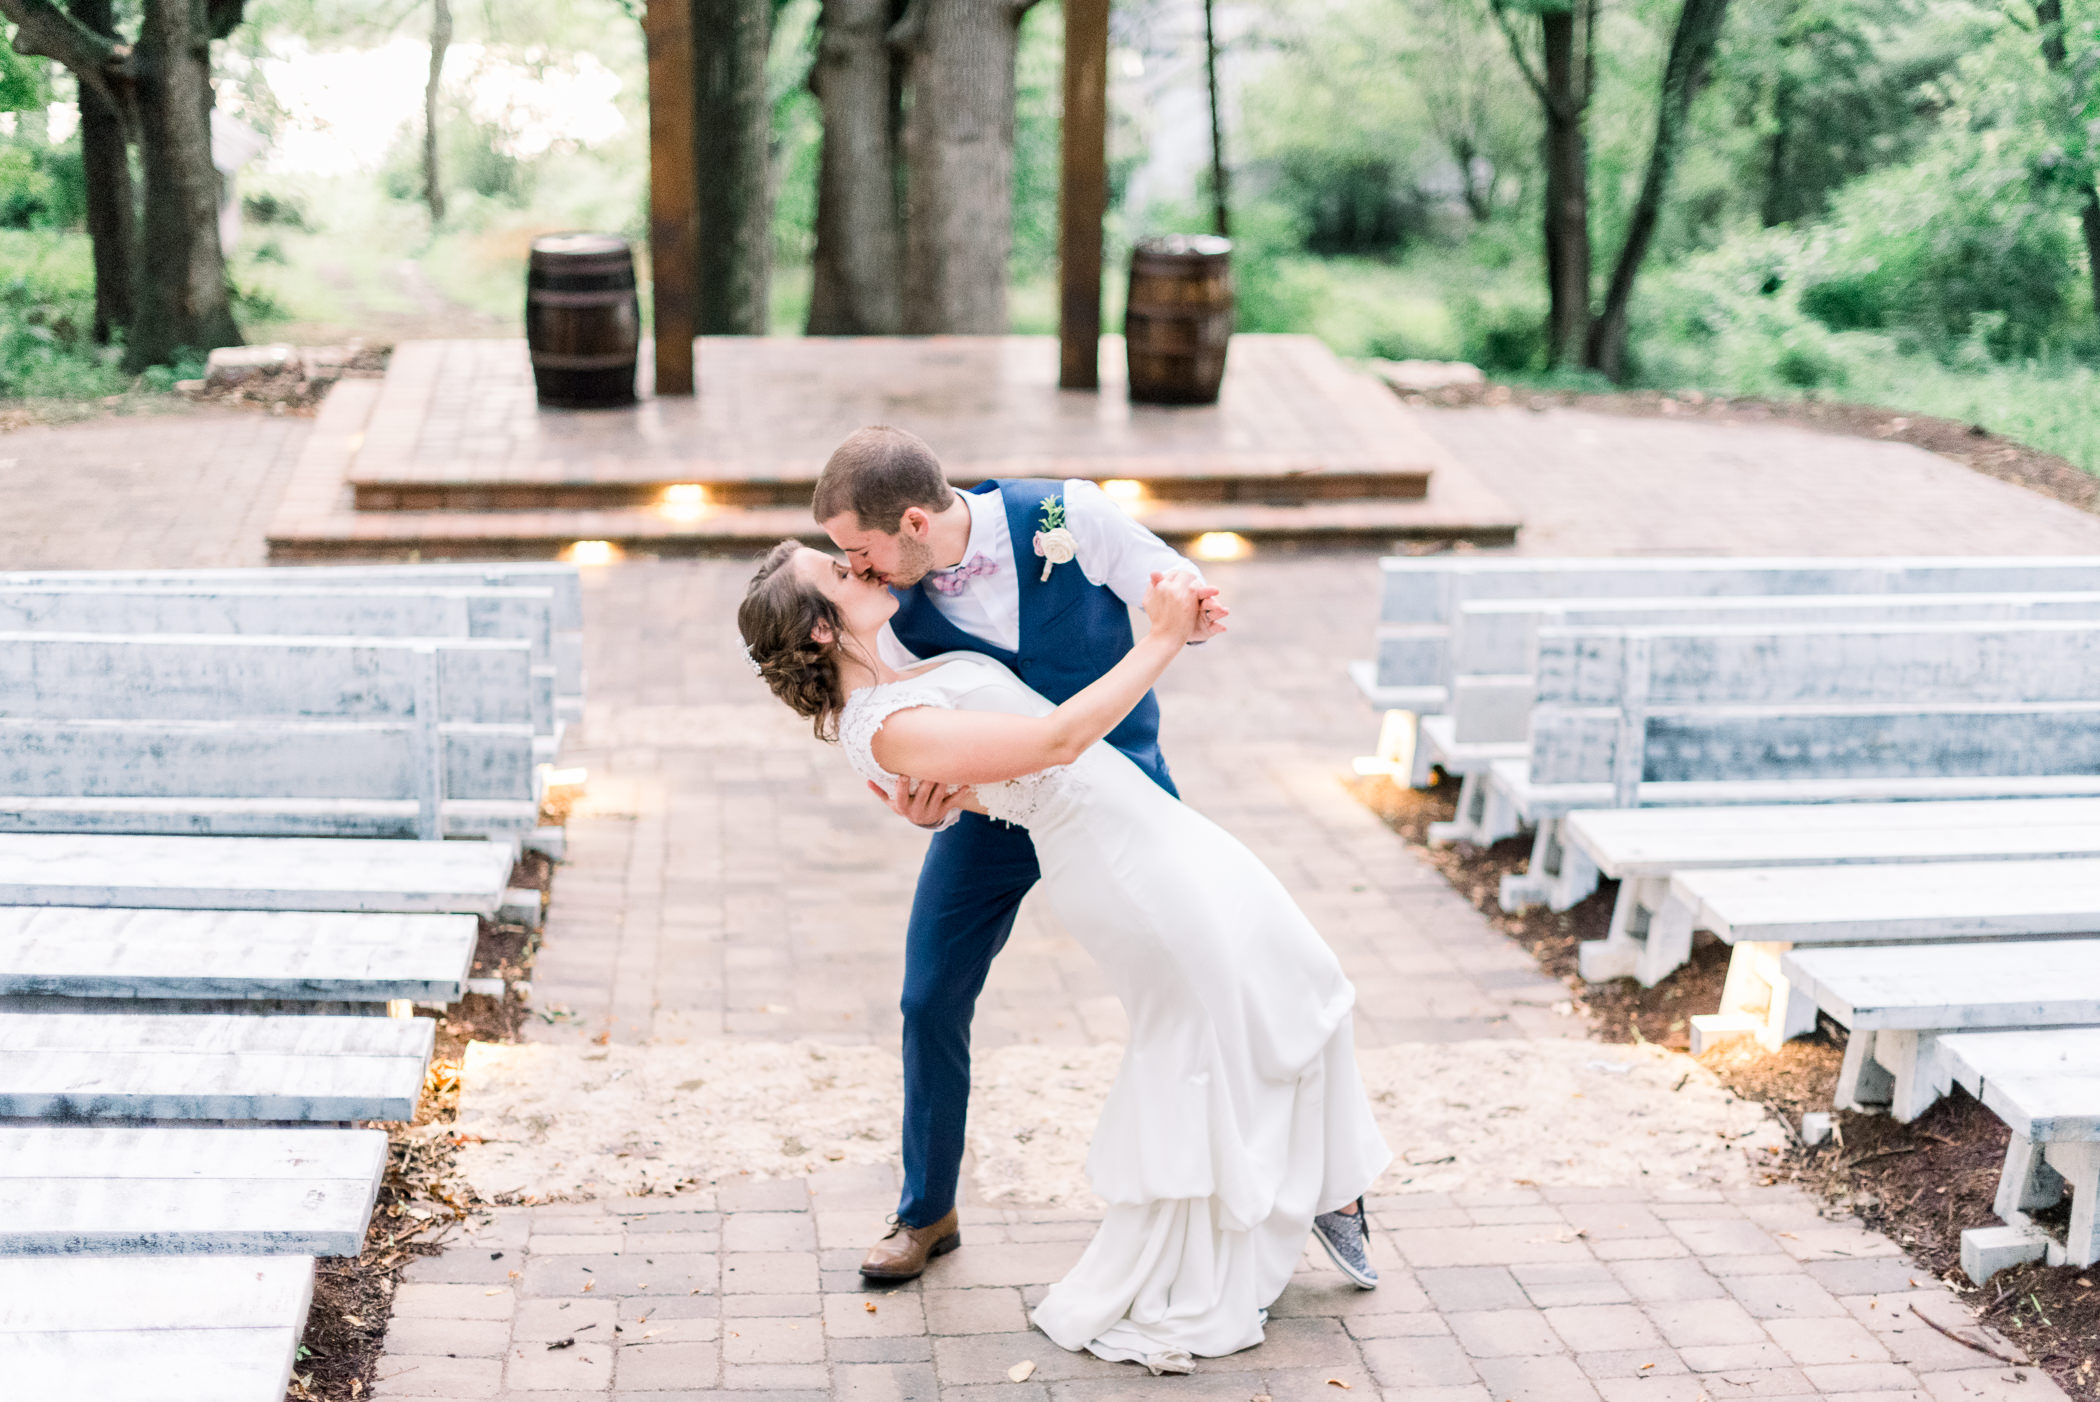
[47,317]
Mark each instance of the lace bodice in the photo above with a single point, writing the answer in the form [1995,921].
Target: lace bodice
[967,682]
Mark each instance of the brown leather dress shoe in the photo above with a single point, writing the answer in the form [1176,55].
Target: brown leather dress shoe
[903,1254]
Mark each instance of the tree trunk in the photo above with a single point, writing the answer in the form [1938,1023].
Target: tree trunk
[1479,194]
[1565,98]
[2049,17]
[1684,71]
[1220,201]
[732,139]
[440,40]
[856,289]
[183,303]
[112,210]
[959,160]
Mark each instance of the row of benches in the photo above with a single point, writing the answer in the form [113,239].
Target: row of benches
[1878,780]
[417,701]
[196,1029]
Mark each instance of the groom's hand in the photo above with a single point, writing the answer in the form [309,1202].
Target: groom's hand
[1210,618]
[922,805]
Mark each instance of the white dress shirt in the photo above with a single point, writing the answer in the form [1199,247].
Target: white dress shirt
[1113,549]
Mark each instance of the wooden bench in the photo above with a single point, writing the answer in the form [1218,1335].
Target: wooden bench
[1421,595]
[2046,1087]
[1764,911]
[1641,848]
[71,952]
[563,582]
[1493,684]
[1897,1001]
[253,873]
[86,1190]
[96,1066]
[152,1328]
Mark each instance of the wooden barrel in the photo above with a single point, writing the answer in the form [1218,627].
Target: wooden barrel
[1179,318]
[582,320]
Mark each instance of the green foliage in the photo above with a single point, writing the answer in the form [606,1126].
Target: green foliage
[47,315]
[270,207]
[25,82]
[1038,101]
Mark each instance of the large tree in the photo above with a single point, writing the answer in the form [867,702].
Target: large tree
[857,266]
[732,134]
[159,87]
[1563,81]
[959,161]
[2079,106]
[112,206]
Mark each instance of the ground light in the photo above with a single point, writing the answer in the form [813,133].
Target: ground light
[1222,545]
[683,501]
[1126,492]
[592,552]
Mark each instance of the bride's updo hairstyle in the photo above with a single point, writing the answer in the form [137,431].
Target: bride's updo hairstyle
[779,613]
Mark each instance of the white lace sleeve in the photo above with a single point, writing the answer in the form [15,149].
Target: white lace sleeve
[862,719]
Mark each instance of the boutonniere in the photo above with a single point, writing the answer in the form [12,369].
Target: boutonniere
[1054,541]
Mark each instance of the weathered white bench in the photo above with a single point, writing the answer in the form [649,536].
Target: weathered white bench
[2046,1087]
[84,1066]
[253,873]
[72,952]
[1494,646]
[1763,911]
[1422,595]
[1897,1001]
[152,1328]
[563,581]
[1642,848]
[83,1190]
[282,610]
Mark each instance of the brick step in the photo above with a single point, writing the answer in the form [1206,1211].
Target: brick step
[648,486]
[537,534]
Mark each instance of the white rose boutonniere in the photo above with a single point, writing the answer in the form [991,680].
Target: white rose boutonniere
[1054,541]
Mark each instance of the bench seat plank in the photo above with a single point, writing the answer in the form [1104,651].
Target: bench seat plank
[2046,1087]
[88,952]
[80,1066]
[164,1328]
[2027,983]
[253,873]
[1894,901]
[215,1192]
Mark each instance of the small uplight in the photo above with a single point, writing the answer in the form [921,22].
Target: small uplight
[567,778]
[683,501]
[1125,492]
[1397,734]
[1222,545]
[592,552]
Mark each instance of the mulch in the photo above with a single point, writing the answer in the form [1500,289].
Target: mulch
[1919,1183]
[422,1198]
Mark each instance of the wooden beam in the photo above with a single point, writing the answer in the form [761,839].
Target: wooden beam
[1082,194]
[674,207]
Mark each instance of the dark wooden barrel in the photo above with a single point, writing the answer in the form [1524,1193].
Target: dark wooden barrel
[582,320]
[1179,318]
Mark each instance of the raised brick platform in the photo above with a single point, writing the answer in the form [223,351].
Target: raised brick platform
[452,456]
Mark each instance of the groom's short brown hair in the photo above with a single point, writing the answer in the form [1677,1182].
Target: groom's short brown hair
[877,474]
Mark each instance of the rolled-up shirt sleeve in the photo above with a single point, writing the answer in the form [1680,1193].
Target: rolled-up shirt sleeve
[1114,549]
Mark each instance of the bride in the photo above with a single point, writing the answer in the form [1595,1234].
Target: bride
[1237,1116]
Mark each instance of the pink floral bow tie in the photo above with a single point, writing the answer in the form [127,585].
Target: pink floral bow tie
[958,579]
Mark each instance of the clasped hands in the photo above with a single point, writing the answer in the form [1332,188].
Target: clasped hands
[928,805]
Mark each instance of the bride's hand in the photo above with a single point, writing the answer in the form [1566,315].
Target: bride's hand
[1174,603]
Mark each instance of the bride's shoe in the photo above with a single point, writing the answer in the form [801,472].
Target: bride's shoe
[1347,1238]
[903,1254]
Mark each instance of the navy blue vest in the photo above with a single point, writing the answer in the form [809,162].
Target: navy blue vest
[1072,630]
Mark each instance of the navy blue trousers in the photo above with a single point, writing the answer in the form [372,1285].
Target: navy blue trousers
[969,889]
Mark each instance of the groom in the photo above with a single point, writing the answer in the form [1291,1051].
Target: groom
[1041,576]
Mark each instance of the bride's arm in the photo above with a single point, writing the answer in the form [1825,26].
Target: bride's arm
[986,747]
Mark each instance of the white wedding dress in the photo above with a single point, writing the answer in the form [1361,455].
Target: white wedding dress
[1238,1112]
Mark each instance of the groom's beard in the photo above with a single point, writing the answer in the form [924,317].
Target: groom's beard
[914,563]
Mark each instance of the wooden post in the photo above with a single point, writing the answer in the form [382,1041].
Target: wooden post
[674,210]
[1082,194]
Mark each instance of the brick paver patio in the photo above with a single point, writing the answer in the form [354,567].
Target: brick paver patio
[729,878]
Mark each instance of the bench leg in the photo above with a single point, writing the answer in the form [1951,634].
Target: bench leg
[1669,942]
[1864,1084]
[2079,1165]
[1574,881]
[1466,825]
[1908,1058]
[1615,955]
[1530,886]
[2026,1182]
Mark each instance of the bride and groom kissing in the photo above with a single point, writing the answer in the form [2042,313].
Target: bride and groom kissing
[973,655]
